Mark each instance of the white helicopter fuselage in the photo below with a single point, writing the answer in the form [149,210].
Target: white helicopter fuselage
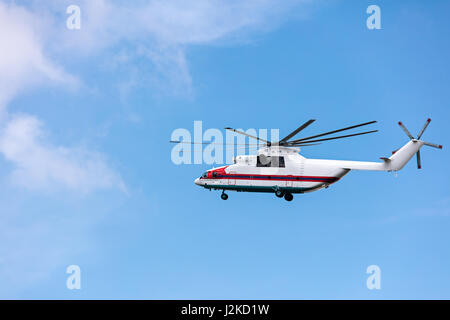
[284,170]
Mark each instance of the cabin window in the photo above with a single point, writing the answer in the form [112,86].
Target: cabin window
[214,174]
[267,162]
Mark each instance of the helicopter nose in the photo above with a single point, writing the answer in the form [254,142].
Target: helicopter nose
[197,182]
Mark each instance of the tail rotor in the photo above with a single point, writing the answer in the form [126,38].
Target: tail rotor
[438,146]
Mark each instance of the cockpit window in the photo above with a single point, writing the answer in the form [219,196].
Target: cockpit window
[205,175]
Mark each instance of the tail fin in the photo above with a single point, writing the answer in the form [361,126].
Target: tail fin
[401,157]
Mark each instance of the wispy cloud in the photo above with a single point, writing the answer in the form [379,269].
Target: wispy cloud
[36,48]
[156,31]
[39,165]
[22,58]
[170,23]
[162,31]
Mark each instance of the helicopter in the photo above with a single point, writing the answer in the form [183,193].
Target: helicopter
[278,167]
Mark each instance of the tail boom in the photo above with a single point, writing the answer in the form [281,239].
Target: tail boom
[394,163]
[399,157]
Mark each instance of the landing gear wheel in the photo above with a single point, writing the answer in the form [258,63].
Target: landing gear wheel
[288,197]
[224,196]
[279,193]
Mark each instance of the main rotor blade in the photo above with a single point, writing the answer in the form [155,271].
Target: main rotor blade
[293,133]
[248,135]
[406,130]
[339,137]
[306,145]
[219,143]
[335,131]
[438,146]
[419,165]
[423,129]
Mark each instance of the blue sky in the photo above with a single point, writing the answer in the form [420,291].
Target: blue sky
[86,176]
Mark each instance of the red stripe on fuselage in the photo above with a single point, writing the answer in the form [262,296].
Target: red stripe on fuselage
[258,177]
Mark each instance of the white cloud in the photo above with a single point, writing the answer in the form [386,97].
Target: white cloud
[41,166]
[31,39]
[156,30]
[205,21]
[22,61]
[174,22]
[161,31]
[37,164]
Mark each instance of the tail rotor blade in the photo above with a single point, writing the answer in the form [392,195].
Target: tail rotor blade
[419,165]
[438,146]
[423,129]
[406,130]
